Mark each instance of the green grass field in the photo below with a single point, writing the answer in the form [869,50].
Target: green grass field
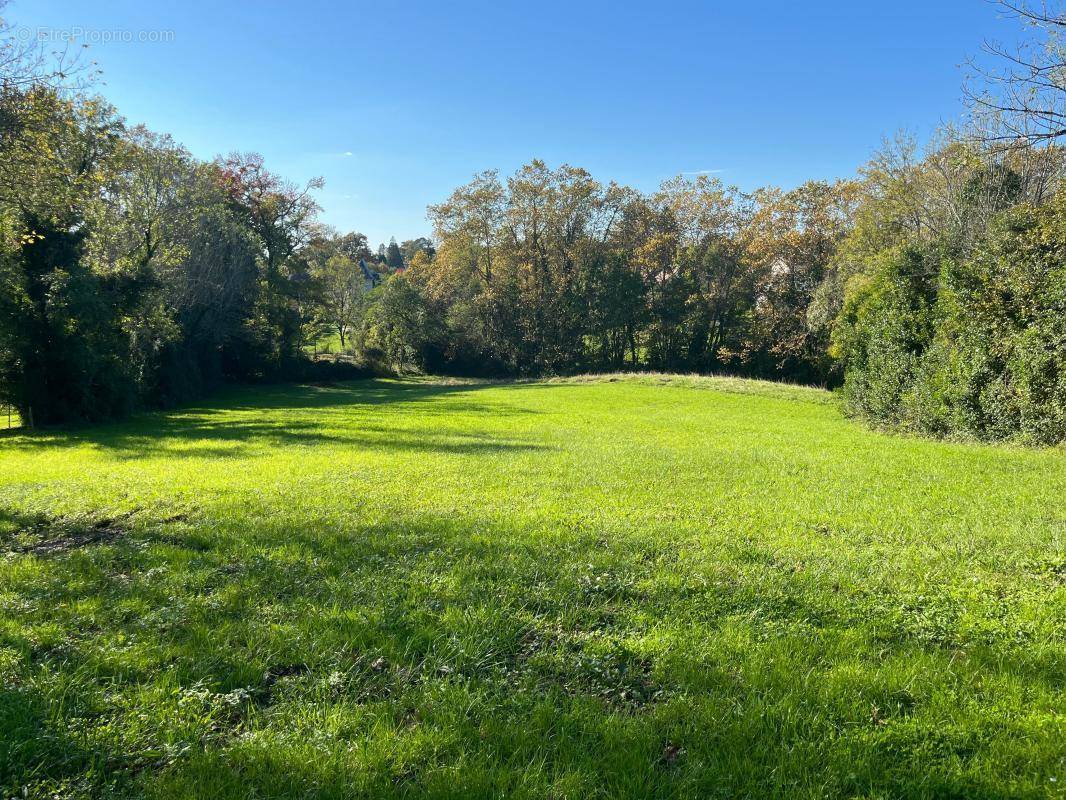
[573,589]
[330,343]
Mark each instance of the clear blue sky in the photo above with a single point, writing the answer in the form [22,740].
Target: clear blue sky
[394,104]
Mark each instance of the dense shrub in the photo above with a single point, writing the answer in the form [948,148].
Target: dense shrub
[1001,356]
[972,346]
[884,328]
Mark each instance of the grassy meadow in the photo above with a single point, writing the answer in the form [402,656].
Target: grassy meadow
[620,587]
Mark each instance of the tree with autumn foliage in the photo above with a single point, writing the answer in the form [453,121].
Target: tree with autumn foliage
[279,216]
[132,274]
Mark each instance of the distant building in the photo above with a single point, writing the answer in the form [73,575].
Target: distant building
[371,278]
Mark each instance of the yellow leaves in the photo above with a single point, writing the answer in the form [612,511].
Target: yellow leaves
[420,262]
[657,251]
[30,237]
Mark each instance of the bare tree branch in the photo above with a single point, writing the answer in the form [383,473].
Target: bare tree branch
[1021,102]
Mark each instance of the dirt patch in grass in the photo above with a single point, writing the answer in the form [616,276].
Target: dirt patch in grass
[589,664]
[264,693]
[48,536]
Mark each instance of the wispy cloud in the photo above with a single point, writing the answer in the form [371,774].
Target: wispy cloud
[703,172]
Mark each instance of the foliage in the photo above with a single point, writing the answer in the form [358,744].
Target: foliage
[398,330]
[552,272]
[951,317]
[996,366]
[132,275]
[1009,314]
[341,288]
[887,322]
[63,352]
[393,256]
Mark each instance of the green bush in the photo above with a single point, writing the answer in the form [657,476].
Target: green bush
[885,325]
[1008,328]
[970,347]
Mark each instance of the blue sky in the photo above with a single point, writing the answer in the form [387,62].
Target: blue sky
[395,104]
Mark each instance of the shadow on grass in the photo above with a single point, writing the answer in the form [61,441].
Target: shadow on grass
[466,656]
[211,430]
[436,657]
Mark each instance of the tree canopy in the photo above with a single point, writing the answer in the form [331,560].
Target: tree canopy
[929,286]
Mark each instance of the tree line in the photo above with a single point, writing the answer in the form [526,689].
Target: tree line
[134,275]
[930,287]
[130,273]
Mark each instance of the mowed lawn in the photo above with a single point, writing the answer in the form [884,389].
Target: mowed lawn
[577,589]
